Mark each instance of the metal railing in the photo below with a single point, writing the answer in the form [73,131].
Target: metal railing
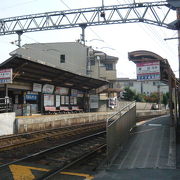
[118,129]
[5,104]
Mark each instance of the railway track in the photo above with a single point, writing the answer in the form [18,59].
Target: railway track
[18,140]
[63,156]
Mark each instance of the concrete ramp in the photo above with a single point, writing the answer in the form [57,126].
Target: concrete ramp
[150,152]
[152,145]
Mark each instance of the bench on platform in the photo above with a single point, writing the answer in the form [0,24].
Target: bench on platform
[76,109]
[64,109]
[50,109]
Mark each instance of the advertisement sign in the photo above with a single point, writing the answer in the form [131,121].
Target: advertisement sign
[148,71]
[61,90]
[74,92]
[58,100]
[80,94]
[48,88]
[112,102]
[5,76]
[73,100]
[94,101]
[31,97]
[48,100]
[37,87]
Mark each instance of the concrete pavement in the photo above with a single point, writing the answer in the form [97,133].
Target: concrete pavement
[149,154]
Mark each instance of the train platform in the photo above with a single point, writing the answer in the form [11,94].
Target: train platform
[149,154]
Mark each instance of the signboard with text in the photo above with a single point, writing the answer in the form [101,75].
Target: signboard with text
[5,76]
[48,88]
[61,90]
[37,87]
[148,71]
[94,101]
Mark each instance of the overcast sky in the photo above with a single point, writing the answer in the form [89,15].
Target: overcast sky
[118,39]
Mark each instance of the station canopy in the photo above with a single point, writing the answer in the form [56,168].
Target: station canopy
[35,71]
[143,56]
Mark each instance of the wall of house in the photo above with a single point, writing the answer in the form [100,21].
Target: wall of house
[109,74]
[99,71]
[95,70]
[75,55]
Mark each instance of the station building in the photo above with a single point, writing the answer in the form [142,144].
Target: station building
[68,75]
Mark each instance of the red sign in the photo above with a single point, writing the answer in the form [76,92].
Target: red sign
[5,76]
[148,71]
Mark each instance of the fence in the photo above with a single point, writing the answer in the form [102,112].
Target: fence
[118,129]
[5,105]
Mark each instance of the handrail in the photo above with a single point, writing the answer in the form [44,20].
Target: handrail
[118,128]
[5,104]
[128,105]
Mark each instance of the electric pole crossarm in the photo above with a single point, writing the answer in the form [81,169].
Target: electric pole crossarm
[150,13]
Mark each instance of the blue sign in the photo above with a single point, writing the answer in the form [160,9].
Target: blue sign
[148,77]
[31,97]
[3,81]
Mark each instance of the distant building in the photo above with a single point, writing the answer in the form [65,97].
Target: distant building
[76,58]
[79,70]
[141,87]
[72,56]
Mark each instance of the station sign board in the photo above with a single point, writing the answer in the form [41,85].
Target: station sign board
[94,101]
[148,71]
[48,88]
[37,87]
[5,76]
[61,90]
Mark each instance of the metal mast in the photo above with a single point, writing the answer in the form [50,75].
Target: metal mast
[149,13]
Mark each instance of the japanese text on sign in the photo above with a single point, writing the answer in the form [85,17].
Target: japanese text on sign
[148,71]
[5,76]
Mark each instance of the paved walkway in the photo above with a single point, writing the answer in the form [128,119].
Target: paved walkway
[149,154]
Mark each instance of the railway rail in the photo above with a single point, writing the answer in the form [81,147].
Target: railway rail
[10,142]
[23,139]
[62,156]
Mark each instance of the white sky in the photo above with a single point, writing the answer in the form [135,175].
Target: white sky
[118,39]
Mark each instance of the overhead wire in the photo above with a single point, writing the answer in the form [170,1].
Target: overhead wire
[17,4]
[154,34]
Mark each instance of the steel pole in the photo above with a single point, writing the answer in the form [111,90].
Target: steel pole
[19,33]
[170,97]
[178,18]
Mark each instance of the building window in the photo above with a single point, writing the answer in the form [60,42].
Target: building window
[62,58]
[109,66]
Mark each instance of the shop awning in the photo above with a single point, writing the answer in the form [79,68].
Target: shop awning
[34,71]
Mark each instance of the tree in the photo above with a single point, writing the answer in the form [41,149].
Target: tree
[139,98]
[153,98]
[128,94]
[165,99]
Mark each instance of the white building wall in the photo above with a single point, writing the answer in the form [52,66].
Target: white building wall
[75,55]
[146,87]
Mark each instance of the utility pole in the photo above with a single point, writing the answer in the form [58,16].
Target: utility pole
[178,18]
[159,95]
[170,96]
